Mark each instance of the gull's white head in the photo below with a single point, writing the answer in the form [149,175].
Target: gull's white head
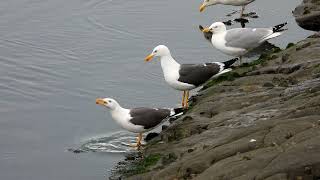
[158,51]
[216,27]
[108,102]
[207,3]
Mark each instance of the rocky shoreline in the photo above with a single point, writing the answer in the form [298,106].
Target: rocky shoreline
[260,121]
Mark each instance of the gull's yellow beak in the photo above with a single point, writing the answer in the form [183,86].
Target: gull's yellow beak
[100,101]
[149,57]
[202,7]
[205,30]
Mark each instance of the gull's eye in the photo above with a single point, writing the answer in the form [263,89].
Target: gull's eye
[110,101]
[155,51]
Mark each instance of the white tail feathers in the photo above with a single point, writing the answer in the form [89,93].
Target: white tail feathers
[222,72]
[176,111]
[273,35]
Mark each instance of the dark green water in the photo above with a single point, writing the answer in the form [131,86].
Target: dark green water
[57,56]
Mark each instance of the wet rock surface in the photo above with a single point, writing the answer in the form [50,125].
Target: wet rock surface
[308,15]
[262,124]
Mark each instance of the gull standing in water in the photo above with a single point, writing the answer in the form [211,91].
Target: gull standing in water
[184,77]
[137,120]
[242,3]
[239,41]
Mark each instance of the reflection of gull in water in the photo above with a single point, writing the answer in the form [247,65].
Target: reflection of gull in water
[110,143]
[242,3]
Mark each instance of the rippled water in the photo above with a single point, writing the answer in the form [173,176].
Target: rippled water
[116,142]
[57,56]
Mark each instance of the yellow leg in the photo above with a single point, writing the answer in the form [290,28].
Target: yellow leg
[183,98]
[139,140]
[187,99]
[242,11]
[138,144]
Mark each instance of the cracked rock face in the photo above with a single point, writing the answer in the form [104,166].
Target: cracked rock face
[308,15]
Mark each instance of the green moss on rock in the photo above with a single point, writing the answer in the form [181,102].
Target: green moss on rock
[290,45]
[245,67]
[316,69]
[229,76]
[143,165]
[171,157]
[178,134]
[276,50]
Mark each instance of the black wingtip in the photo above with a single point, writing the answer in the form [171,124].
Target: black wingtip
[201,27]
[228,64]
[178,110]
[279,27]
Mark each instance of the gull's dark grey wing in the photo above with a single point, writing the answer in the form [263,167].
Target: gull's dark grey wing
[148,117]
[197,74]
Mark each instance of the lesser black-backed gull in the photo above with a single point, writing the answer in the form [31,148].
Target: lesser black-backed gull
[137,120]
[184,77]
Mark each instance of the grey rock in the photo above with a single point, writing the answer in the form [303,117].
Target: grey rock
[307,15]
